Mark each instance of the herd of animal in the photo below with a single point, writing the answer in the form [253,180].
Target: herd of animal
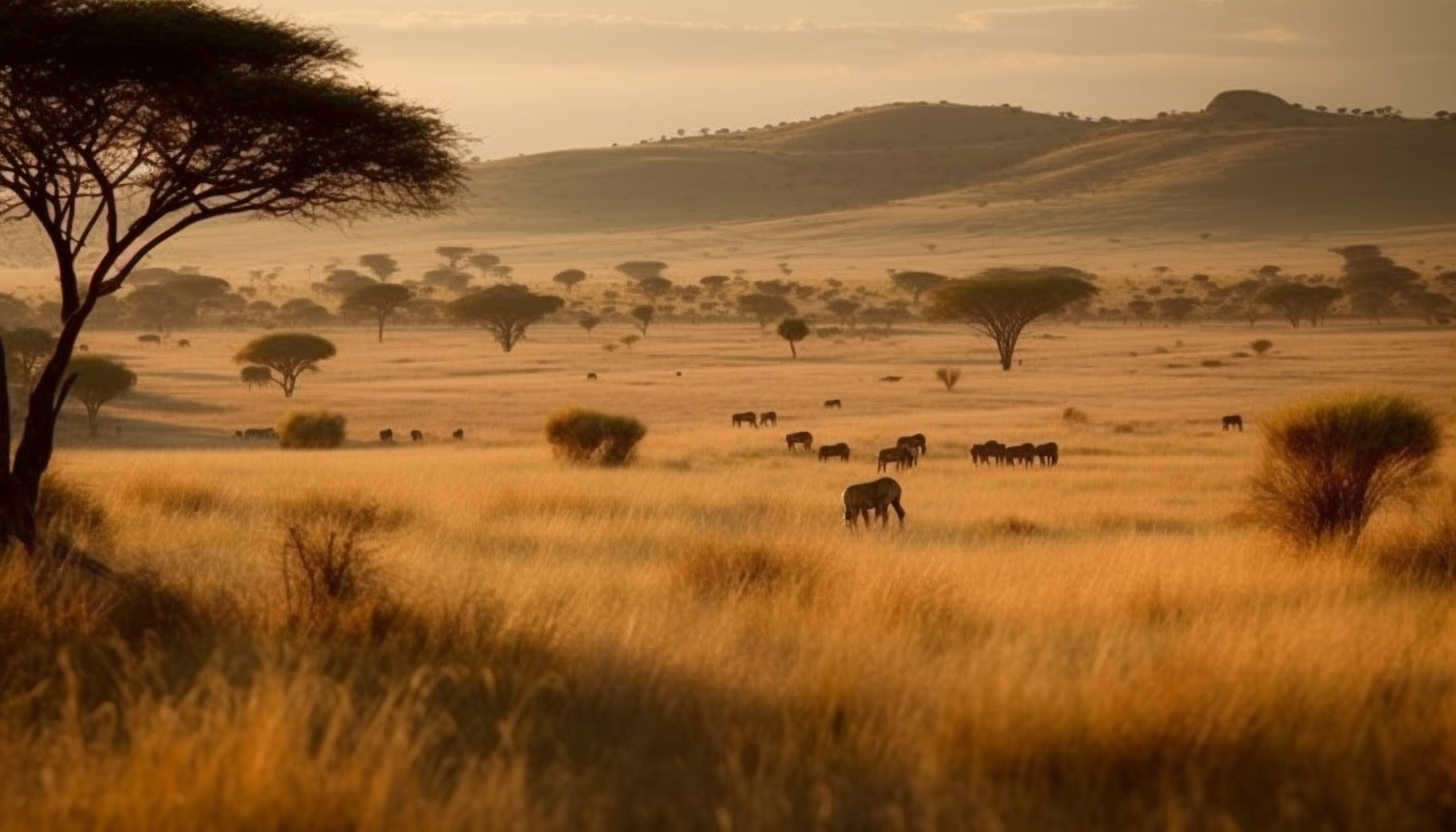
[387,435]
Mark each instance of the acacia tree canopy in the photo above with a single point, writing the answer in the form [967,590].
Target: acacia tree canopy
[765,307]
[506,310]
[793,330]
[379,300]
[98,380]
[1001,302]
[289,354]
[125,122]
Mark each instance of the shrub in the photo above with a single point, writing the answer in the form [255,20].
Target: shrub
[948,376]
[1329,463]
[327,560]
[1261,346]
[311,429]
[588,437]
[1074,417]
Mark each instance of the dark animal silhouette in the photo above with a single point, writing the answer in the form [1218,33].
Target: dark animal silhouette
[458,434]
[890,378]
[915,442]
[840,450]
[1047,453]
[237,434]
[768,417]
[833,403]
[801,438]
[748,416]
[417,436]
[1025,453]
[878,496]
[386,435]
[184,343]
[591,376]
[1234,421]
[902,456]
[259,434]
[149,339]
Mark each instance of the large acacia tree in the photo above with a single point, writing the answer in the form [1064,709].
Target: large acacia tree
[125,122]
[506,310]
[377,301]
[289,354]
[1001,302]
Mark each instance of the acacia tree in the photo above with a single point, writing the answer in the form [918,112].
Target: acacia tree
[765,307]
[642,316]
[1001,302]
[793,330]
[379,300]
[588,322]
[123,123]
[97,381]
[382,265]
[506,310]
[917,283]
[289,354]
[26,348]
[568,278]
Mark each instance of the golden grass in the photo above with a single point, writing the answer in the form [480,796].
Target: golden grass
[695,641]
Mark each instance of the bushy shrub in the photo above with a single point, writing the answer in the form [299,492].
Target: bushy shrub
[588,437]
[1329,463]
[1261,346]
[311,429]
[327,560]
[948,376]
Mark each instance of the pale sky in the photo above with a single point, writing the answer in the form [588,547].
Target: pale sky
[537,75]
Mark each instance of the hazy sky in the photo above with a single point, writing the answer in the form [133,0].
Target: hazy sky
[539,75]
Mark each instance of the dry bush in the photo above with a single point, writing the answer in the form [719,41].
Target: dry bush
[1329,463]
[327,561]
[311,429]
[717,570]
[588,437]
[948,376]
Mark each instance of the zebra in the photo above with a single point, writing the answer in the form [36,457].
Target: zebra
[1047,453]
[879,496]
[803,437]
[1234,421]
[833,404]
[900,455]
[768,417]
[747,416]
[840,450]
[915,442]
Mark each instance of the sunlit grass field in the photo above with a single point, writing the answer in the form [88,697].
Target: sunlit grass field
[696,641]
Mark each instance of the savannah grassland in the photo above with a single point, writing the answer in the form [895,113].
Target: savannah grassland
[696,642]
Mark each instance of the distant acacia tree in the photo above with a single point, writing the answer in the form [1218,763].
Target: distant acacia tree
[98,380]
[485,261]
[793,330]
[1175,310]
[25,349]
[640,270]
[1299,302]
[568,278]
[123,124]
[642,316]
[454,254]
[655,287]
[765,308]
[843,309]
[289,354]
[1001,302]
[382,266]
[917,283]
[588,322]
[714,282]
[506,310]
[444,277]
[378,301]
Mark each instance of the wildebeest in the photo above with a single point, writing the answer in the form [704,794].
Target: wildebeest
[259,434]
[1047,453]
[902,456]
[833,403]
[458,434]
[988,452]
[149,339]
[1234,421]
[840,450]
[386,435]
[915,442]
[768,417]
[417,436]
[748,416]
[800,438]
[1025,453]
[878,496]
[591,376]
[184,343]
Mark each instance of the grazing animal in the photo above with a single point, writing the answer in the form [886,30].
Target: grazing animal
[890,378]
[386,435]
[800,438]
[417,436]
[458,434]
[768,417]
[900,455]
[591,376]
[184,343]
[149,339]
[980,454]
[840,450]
[833,403]
[260,434]
[237,434]
[988,452]
[747,416]
[1234,421]
[1047,453]
[915,442]
[1025,453]
[878,496]
[84,347]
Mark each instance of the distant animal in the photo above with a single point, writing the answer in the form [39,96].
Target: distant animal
[802,439]
[386,435]
[679,372]
[237,434]
[1047,453]
[890,378]
[878,496]
[840,450]
[1234,421]
[1025,453]
[901,456]
[84,348]
[417,436]
[458,434]
[833,403]
[184,343]
[591,376]
[768,417]
[915,442]
[149,339]
[259,434]
[748,416]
